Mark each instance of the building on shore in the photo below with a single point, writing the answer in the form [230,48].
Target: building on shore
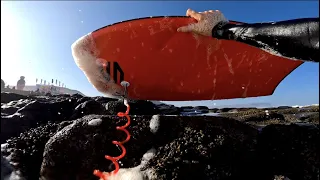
[42,89]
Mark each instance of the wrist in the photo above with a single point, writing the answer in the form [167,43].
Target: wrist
[217,30]
[225,30]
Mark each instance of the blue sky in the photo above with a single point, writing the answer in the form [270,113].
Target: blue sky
[36,38]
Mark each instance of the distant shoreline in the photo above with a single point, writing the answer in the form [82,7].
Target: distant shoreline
[29,89]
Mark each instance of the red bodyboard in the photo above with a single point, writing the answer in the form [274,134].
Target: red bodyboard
[163,64]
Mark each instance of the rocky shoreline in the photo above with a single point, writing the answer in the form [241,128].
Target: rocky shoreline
[66,137]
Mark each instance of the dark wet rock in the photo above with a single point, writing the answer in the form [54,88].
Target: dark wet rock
[80,149]
[305,115]
[17,104]
[290,150]
[7,97]
[62,95]
[187,143]
[104,100]
[2,86]
[255,115]
[137,107]
[19,115]
[8,110]
[168,109]
[39,110]
[224,110]
[310,109]
[263,117]
[76,95]
[201,107]
[246,109]
[6,168]
[198,148]
[83,99]
[13,125]
[34,112]
[186,148]
[284,107]
[312,117]
[186,107]
[213,110]
[277,116]
[88,107]
[233,110]
[26,151]
[51,135]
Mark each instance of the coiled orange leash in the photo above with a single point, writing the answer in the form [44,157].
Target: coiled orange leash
[105,175]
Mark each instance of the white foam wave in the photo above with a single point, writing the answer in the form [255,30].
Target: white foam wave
[298,106]
[86,57]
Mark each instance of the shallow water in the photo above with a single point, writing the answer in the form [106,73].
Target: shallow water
[198,113]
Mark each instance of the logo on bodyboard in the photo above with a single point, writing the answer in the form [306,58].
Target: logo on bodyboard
[115,71]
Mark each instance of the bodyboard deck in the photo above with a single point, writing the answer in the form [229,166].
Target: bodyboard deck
[163,64]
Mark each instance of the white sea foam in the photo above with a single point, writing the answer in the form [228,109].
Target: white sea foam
[86,57]
[136,173]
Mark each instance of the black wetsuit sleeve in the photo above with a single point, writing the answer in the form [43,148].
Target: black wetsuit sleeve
[294,39]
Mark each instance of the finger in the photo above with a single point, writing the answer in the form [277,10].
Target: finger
[194,14]
[188,28]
